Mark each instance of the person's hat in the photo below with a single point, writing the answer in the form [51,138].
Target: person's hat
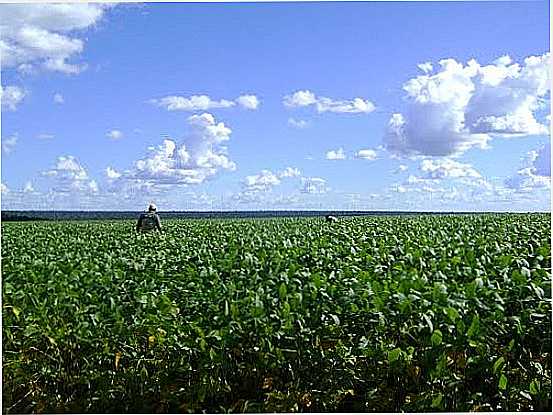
[152,207]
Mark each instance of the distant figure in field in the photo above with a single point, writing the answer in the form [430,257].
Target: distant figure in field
[330,219]
[149,221]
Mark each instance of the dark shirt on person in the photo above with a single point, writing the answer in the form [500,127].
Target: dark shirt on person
[148,222]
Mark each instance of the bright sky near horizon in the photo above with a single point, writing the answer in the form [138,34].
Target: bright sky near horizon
[378,106]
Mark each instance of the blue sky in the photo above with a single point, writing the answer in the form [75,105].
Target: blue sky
[407,106]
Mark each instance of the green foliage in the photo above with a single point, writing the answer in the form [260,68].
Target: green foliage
[436,338]
[502,382]
[371,314]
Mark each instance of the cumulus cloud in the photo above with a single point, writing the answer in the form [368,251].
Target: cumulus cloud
[3,188]
[199,156]
[445,171]
[457,106]
[58,98]
[507,96]
[204,103]
[290,172]
[112,174]
[526,181]
[535,173]
[306,98]
[297,123]
[300,99]
[401,168]
[69,176]
[266,180]
[11,96]
[336,154]
[426,67]
[42,35]
[114,134]
[249,102]
[366,154]
[447,168]
[314,185]
[263,181]
[67,165]
[8,144]
[28,188]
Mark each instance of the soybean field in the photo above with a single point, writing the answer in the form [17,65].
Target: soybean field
[384,313]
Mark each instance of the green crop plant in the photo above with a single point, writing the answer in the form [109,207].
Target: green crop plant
[403,313]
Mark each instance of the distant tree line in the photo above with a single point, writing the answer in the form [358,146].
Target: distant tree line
[21,215]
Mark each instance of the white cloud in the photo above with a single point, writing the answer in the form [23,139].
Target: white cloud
[3,188]
[111,173]
[199,156]
[28,187]
[58,98]
[249,102]
[430,189]
[43,136]
[336,154]
[11,96]
[401,168]
[8,144]
[535,173]
[426,67]
[205,130]
[305,98]
[542,160]
[356,105]
[366,154]
[290,172]
[399,188]
[266,180]
[447,168]
[415,180]
[503,60]
[204,103]
[69,176]
[297,123]
[526,180]
[465,179]
[300,99]
[314,185]
[259,188]
[261,182]
[68,165]
[463,106]
[507,96]
[39,34]
[193,103]
[93,186]
[114,134]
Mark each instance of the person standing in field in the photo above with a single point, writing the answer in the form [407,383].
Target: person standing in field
[149,221]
